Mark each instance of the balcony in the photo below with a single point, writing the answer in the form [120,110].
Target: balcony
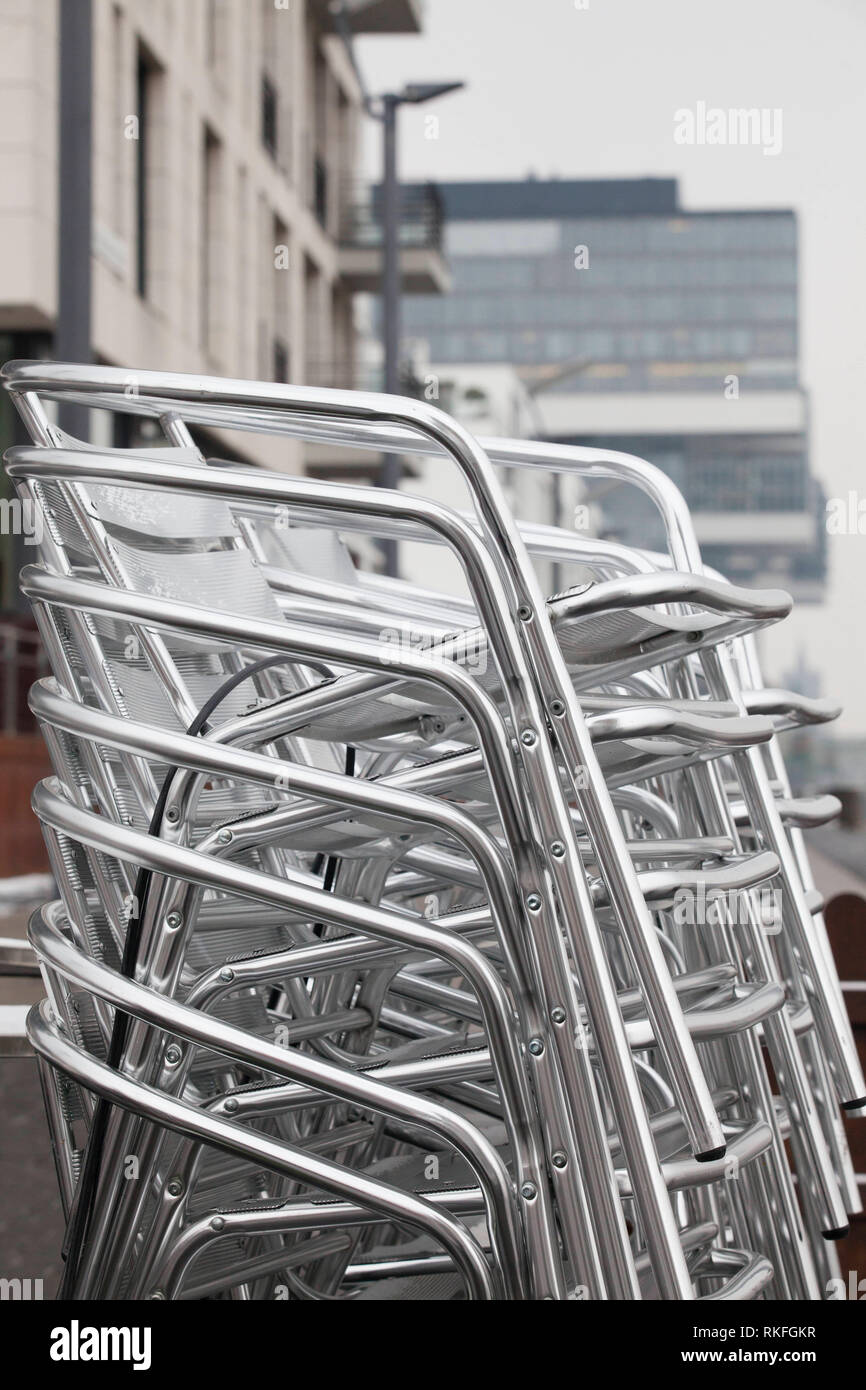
[423,269]
[374,16]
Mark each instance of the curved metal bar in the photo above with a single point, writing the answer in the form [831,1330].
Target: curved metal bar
[796,709]
[204,1030]
[390,1202]
[294,411]
[568,873]
[209,756]
[89,596]
[534,653]
[686,1173]
[753,1005]
[657,721]
[538,654]
[294,1215]
[661,886]
[674,586]
[831,1018]
[754,1273]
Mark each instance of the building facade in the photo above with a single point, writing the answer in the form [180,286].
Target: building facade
[228,233]
[644,327]
[230,230]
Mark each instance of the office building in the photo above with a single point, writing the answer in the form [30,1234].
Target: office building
[643,326]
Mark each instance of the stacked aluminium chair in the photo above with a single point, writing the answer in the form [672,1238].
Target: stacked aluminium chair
[413,946]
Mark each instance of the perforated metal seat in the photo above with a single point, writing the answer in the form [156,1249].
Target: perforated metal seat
[390,923]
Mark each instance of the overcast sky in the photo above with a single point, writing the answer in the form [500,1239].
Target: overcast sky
[590,89]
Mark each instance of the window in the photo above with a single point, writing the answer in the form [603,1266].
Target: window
[489,346]
[147,76]
[119,111]
[270,116]
[280,298]
[501,238]
[315,345]
[320,191]
[208,267]
[213,19]
[736,478]
[280,360]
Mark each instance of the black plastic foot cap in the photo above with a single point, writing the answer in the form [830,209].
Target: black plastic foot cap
[711,1154]
[838,1234]
[854,1104]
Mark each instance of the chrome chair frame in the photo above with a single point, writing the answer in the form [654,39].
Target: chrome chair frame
[687,731]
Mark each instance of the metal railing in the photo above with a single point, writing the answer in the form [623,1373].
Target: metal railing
[421,217]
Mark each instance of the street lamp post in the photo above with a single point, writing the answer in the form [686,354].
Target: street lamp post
[75,114]
[384,109]
[389,473]
[390,246]
[413,94]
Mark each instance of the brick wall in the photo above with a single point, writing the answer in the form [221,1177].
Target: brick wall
[23,762]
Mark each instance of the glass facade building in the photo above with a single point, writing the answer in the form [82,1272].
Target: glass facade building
[628,296]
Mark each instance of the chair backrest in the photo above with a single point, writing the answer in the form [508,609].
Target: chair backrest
[431,874]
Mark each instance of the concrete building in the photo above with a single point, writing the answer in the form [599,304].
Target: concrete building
[231,232]
[230,229]
[641,326]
